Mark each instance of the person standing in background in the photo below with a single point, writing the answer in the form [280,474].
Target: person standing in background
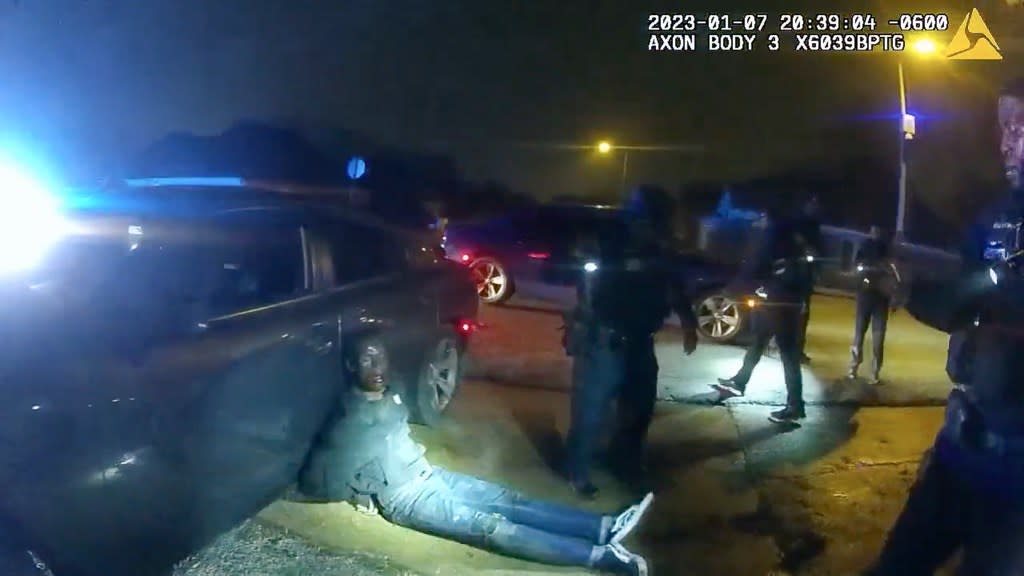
[873,303]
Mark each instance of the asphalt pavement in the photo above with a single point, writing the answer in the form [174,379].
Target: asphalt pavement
[734,493]
[520,346]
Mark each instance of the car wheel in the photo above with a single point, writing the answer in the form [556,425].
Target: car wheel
[439,378]
[493,284]
[719,318]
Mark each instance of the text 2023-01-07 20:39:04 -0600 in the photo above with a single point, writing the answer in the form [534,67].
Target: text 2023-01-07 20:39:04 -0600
[787,32]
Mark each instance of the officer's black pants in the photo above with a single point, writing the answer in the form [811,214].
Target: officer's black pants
[783,321]
[945,513]
[805,320]
[872,308]
[607,373]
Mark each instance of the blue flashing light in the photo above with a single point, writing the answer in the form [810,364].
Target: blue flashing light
[220,181]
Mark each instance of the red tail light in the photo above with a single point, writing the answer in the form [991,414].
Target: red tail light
[467,327]
[538,255]
[465,257]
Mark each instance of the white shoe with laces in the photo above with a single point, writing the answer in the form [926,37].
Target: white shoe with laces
[626,522]
[632,564]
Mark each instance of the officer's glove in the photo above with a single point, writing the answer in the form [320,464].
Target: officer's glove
[689,341]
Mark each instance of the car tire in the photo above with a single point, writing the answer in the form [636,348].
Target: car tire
[493,283]
[720,318]
[438,378]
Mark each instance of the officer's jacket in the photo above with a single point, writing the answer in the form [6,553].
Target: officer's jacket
[634,287]
[986,323]
[781,264]
[371,450]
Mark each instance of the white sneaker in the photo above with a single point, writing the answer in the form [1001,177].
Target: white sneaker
[626,522]
[632,564]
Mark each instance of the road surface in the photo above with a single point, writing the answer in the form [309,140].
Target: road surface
[735,494]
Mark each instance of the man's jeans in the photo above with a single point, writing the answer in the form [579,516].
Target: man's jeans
[489,516]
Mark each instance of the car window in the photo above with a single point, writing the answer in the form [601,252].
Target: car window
[253,266]
[362,252]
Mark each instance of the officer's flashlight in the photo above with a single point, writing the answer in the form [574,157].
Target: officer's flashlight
[590,267]
[810,258]
[860,267]
[993,276]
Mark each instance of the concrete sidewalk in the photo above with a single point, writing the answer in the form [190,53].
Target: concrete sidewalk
[735,494]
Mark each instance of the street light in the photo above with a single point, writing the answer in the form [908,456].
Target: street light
[923,47]
[605,148]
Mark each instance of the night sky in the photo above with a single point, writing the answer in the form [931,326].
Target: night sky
[94,79]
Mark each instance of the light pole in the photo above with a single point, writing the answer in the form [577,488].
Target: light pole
[907,129]
[605,148]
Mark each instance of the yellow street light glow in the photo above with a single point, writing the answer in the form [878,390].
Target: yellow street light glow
[924,46]
[604,147]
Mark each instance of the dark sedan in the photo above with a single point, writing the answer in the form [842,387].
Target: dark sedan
[527,253]
[174,351]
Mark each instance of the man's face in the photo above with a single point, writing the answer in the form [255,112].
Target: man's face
[373,368]
[1011,121]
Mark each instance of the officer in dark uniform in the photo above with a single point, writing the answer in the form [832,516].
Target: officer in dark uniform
[968,493]
[810,223]
[873,301]
[783,268]
[628,286]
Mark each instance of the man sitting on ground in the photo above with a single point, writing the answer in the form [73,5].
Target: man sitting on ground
[375,463]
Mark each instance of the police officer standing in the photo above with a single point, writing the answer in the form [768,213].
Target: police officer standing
[628,286]
[810,223]
[784,270]
[873,302]
[968,492]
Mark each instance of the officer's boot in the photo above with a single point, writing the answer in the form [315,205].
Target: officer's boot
[788,415]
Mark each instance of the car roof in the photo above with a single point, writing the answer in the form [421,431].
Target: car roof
[197,197]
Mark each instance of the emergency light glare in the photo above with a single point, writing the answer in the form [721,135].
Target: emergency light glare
[993,275]
[30,220]
[590,267]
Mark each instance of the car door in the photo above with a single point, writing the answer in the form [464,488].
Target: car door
[533,239]
[378,292]
[181,398]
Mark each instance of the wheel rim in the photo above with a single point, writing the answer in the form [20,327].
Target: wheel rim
[443,374]
[718,317]
[490,280]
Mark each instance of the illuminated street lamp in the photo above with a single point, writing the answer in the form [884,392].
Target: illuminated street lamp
[921,47]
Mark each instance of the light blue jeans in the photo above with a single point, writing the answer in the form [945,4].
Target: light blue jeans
[490,516]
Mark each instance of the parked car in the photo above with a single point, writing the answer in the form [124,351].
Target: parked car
[174,355]
[527,253]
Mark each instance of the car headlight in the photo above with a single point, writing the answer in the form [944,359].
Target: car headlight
[590,267]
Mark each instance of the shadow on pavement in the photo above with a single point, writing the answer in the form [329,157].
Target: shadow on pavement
[541,431]
[783,513]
